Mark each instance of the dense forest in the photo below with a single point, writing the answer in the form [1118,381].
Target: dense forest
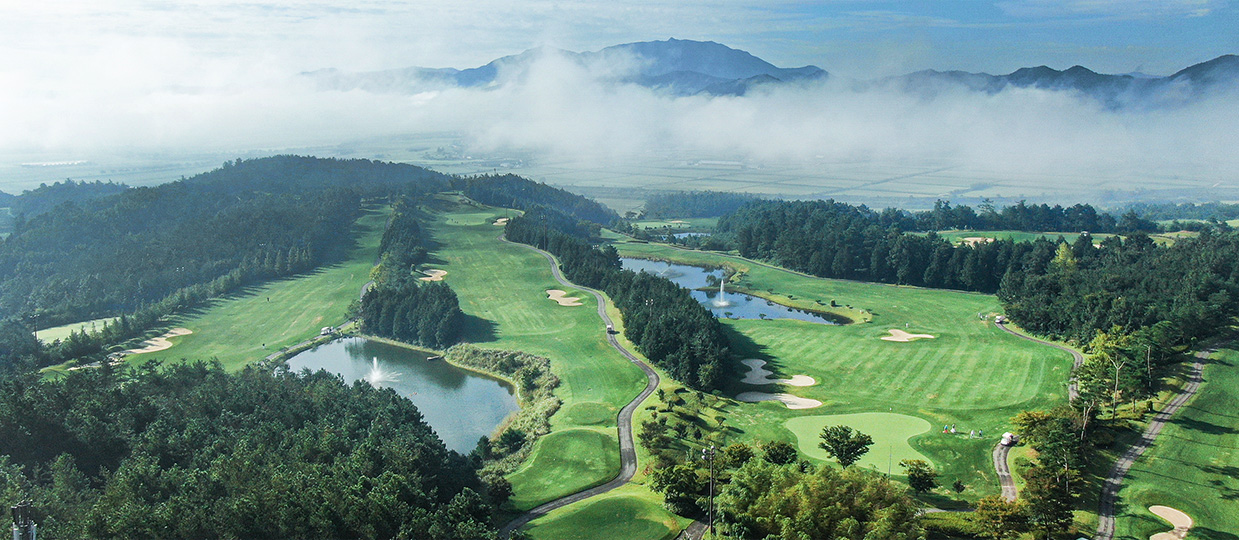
[188,451]
[1210,211]
[46,197]
[1130,284]
[400,305]
[662,319]
[1049,287]
[511,191]
[148,252]
[695,204]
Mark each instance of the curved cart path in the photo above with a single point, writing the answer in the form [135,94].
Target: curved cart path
[1004,472]
[628,453]
[1109,493]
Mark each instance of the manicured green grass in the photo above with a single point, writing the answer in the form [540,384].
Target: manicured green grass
[502,288]
[687,224]
[566,461]
[890,433]
[972,374]
[248,326]
[628,512]
[1194,465]
[48,335]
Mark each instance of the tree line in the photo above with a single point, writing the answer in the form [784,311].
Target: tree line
[662,319]
[189,451]
[151,251]
[511,191]
[400,305]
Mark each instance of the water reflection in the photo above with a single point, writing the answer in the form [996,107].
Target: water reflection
[737,305]
[460,405]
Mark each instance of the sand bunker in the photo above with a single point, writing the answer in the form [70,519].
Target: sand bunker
[434,275]
[501,222]
[160,343]
[974,240]
[904,337]
[559,296]
[1182,522]
[792,402]
[759,375]
[677,221]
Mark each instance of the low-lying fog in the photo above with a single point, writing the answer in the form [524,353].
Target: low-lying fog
[187,103]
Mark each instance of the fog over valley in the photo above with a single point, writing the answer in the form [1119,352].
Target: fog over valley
[651,102]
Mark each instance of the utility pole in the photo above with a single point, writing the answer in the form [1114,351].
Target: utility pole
[708,455]
[1148,365]
[24,527]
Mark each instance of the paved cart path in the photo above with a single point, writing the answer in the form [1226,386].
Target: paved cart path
[628,453]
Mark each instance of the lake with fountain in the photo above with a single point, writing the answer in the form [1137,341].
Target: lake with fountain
[460,405]
[724,303]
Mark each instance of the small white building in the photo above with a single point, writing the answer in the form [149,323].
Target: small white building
[326,331]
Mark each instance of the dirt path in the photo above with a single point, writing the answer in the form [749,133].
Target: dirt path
[628,452]
[1109,493]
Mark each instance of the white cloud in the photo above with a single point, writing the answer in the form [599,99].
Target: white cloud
[1116,9]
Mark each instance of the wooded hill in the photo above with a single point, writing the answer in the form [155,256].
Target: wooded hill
[149,252]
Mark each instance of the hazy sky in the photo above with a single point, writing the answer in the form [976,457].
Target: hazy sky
[849,37]
[83,77]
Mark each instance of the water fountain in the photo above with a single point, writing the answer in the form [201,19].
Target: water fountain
[721,300]
[377,376]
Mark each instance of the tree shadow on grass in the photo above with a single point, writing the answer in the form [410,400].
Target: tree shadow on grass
[475,329]
[1204,427]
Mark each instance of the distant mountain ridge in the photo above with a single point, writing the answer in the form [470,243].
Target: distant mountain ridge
[680,67]
[1113,90]
[686,67]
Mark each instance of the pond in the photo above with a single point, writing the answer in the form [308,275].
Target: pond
[738,305]
[460,405]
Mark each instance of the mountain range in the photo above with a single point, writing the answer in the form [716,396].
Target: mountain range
[685,67]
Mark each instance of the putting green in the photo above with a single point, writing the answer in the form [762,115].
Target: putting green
[890,434]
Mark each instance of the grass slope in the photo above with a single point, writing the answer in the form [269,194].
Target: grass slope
[1194,465]
[972,375]
[502,290]
[628,512]
[278,314]
[48,335]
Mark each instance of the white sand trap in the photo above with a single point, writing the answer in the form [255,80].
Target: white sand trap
[559,296]
[160,343]
[792,402]
[904,337]
[501,222]
[1182,523]
[677,221]
[434,275]
[974,240]
[759,375]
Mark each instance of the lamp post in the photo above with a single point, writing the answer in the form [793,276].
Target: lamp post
[24,527]
[708,455]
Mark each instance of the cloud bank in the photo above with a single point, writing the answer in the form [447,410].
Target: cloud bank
[562,110]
